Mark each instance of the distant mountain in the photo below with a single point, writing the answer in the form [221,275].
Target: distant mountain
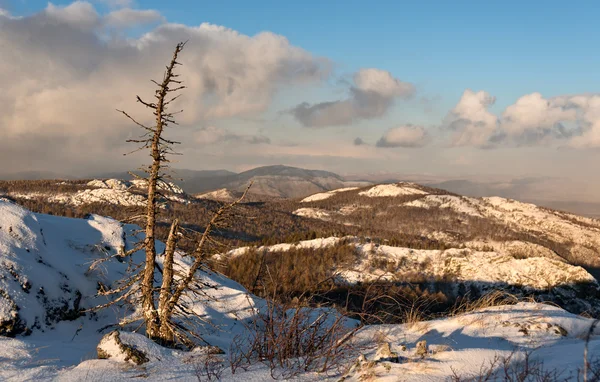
[272,181]
[34,175]
[288,182]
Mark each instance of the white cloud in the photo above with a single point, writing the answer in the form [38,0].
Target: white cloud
[211,135]
[80,14]
[534,119]
[588,117]
[370,97]
[404,136]
[128,17]
[473,124]
[67,79]
[382,82]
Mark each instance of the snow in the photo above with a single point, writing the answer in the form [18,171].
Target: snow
[460,204]
[283,247]
[54,253]
[400,189]
[484,268]
[466,265]
[582,233]
[222,194]
[100,195]
[314,213]
[123,185]
[466,343]
[326,195]
[114,184]
[111,191]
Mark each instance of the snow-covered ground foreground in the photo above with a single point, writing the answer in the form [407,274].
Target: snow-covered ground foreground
[468,344]
[45,278]
[465,345]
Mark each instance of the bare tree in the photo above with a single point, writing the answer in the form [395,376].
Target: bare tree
[140,287]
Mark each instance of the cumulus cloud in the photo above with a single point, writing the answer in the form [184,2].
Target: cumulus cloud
[531,120]
[404,136]
[67,79]
[212,135]
[127,17]
[372,94]
[472,122]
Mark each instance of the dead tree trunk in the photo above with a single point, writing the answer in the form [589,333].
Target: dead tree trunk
[159,147]
[167,310]
[162,323]
[165,332]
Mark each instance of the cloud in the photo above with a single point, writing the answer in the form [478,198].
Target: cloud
[531,121]
[587,130]
[78,14]
[370,97]
[127,17]
[62,79]
[404,136]
[212,135]
[534,119]
[471,121]
[6,14]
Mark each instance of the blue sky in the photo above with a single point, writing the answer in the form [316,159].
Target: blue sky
[417,61]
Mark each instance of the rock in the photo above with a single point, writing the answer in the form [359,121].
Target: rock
[422,350]
[385,353]
[111,346]
[10,321]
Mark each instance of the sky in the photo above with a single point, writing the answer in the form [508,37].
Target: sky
[471,89]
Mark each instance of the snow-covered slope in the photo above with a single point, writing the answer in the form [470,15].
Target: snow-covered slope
[45,280]
[326,195]
[45,273]
[463,269]
[221,194]
[398,189]
[557,234]
[108,191]
[495,339]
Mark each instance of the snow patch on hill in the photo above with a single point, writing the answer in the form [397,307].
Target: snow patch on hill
[118,184]
[222,194]
[100,195]
[466,265]
[284,247]
[326,195]
[399,189]
[460,204]
[314,213]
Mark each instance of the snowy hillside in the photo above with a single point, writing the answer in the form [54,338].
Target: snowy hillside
[107,191]
[46,283]
[465,269]
[461,221]
[222,194]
